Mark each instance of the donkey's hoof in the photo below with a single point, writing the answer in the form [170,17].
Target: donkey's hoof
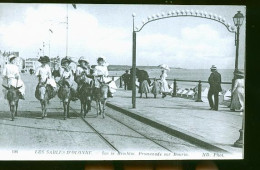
[64,118]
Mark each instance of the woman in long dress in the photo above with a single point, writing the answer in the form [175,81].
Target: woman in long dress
[164,84]
[238,100]
[11,77]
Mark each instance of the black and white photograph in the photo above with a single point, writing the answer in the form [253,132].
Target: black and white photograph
[122,82]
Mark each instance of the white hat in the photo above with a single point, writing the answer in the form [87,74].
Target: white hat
[83,59]
[11,57]
[213,67]
[164,66]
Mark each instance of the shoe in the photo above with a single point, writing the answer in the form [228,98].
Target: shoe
[74,98]
[211,108]
[110,95]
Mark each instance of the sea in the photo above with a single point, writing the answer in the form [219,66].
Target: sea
[179,74]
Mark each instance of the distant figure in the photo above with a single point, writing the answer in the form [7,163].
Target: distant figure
[238,92]
[215,87]
[164,85]
[155,88]
[142,75]
[126,79]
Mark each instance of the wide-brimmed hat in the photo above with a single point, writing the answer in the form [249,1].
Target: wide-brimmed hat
[11,57]
[66,60]
[213,67]
[102,57]
[44,59]
[83,59]
[239,73]
[164,67]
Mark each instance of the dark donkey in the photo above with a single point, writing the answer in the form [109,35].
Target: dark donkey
[13,96]
[42,94]
[100,96]
[64,93]
[85,96]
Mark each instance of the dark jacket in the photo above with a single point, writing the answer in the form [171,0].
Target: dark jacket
[215,82]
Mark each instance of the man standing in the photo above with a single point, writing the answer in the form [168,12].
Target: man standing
[215,87]
[126,79]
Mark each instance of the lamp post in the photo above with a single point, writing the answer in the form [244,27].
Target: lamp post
[238,21]
[134,65]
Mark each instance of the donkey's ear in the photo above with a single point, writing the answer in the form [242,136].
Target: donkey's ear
[17,88]
[5,87]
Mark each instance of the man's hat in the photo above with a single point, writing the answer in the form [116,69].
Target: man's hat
[11,57]
[213,67]
[83,59]
[44,59]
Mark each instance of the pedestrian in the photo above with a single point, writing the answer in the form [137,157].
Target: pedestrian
[44,75]
[126,79]
[11,77]
[144,82]
[102,72]
[164,84]
[142,75]
[238,92]
[155,88]
[83,72]
[214,88]
[67,73]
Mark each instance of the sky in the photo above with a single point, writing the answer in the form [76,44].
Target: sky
[106,30]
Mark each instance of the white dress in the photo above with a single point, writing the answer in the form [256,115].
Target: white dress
[69,76]
[45,73]
[79,72]
[102,70]
[11,71]
[164,85]
[238,101]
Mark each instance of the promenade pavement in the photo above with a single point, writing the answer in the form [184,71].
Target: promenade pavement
[190,120]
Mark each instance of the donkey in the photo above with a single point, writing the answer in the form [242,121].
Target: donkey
[100,96]
[85,96]
[13,96]
[41,94]
[64,93]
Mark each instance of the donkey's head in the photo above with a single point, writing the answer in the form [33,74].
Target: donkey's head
[43,90]
[65,92]
[12,94]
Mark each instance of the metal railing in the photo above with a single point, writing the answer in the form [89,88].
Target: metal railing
[174,93]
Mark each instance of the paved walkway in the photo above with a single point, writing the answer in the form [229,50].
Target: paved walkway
[190,119]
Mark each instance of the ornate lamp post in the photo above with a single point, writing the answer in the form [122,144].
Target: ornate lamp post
[238,21]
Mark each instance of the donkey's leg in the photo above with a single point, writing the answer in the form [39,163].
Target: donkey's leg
[42,106]
[97,105]
[81,107]
[65,110]
[16,108]
[103,109]
[68,109]
[100,107]
[45,107]
[11,111]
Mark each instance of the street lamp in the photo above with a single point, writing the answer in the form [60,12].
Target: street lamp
[238,21]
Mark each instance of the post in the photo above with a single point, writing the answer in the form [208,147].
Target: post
[240,141]
[174,94]
[113,78]
[120,82]
[67,29]
[199,92]
[134,71]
